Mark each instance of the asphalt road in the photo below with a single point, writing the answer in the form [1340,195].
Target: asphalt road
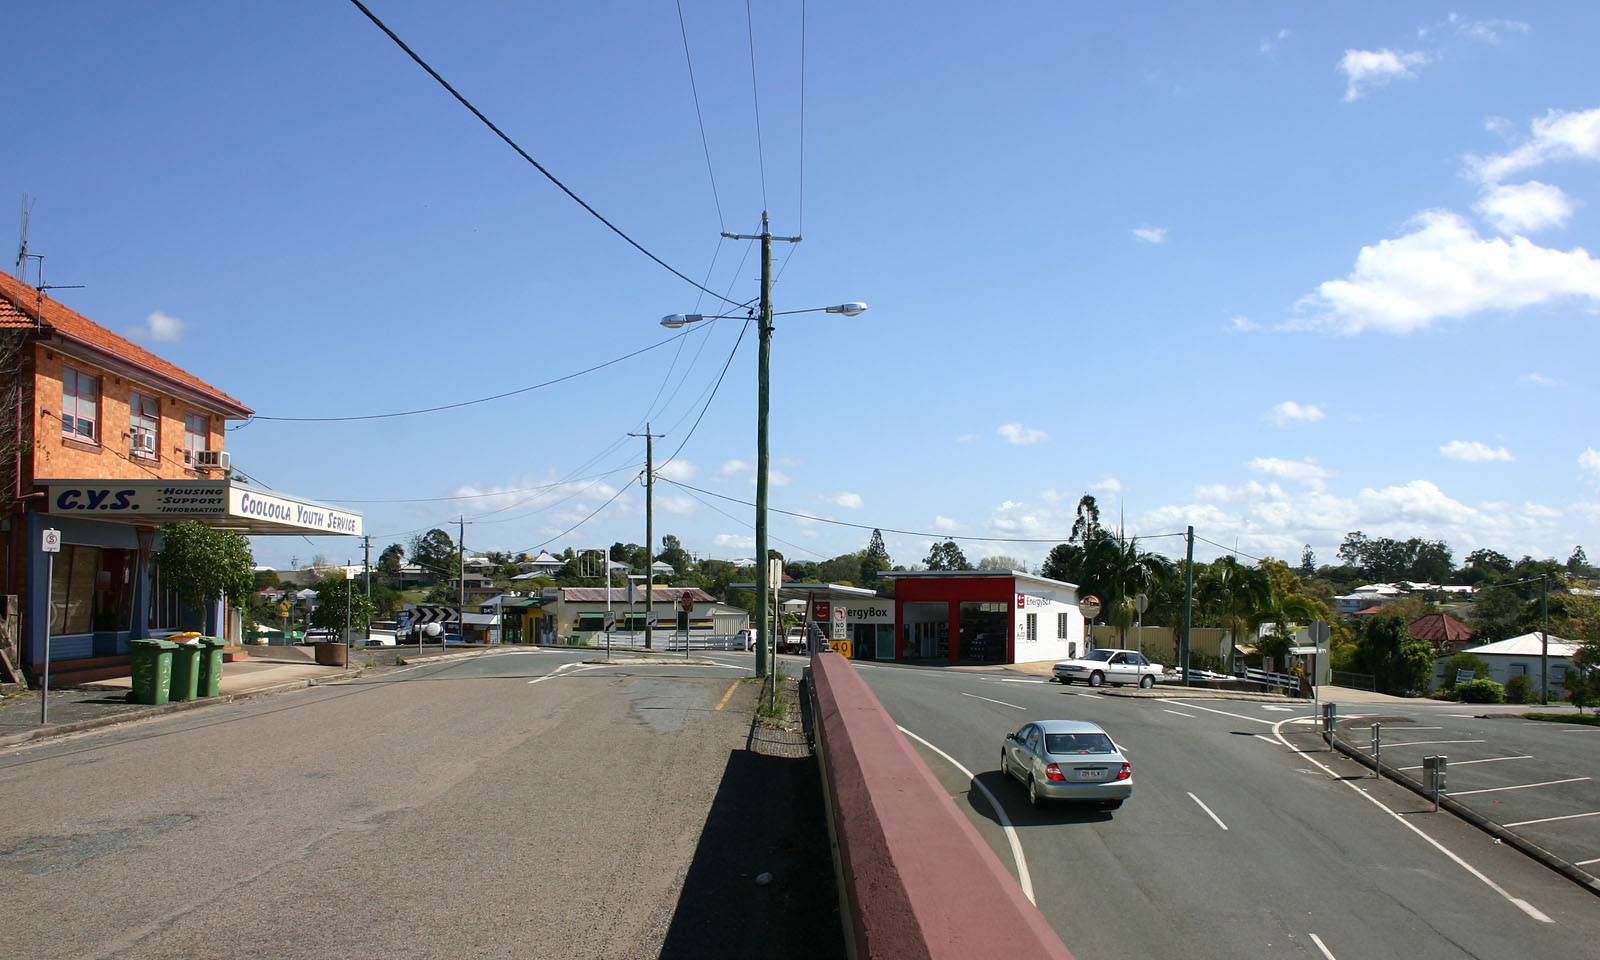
[514,805]
[1244,838]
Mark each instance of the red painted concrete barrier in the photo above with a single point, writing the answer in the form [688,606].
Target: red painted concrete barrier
[916,880]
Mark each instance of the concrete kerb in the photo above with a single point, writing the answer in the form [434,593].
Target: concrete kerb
[1562,866]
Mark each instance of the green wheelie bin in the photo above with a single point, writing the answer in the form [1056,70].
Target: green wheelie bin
[185,671]
[152,669]
[210,666]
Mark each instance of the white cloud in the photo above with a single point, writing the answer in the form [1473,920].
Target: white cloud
[675,504]
[775,478]
[1017,519]
[1107,485]
[1018,435]
[945,524]
[1488,31]
[1240,323]
[851,500]
[679,470]
[159,328]
[1589,462]
[731,467]
[1443,269]
[966,438]
[1308,472]
[1151,234]
[1366,70]
[1471,451]
[1289,412]
[1524,207]
[1052,495]
[1539,379]
[1270,43]
[1558,135]
[737,541]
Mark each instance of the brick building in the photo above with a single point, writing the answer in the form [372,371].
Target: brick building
[103,441]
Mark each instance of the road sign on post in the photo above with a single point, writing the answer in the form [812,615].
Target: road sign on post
[838,623]
[50,543]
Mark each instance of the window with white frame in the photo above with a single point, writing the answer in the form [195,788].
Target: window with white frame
[1061,626]
[80,405]
[144,426]
[1033,627]
[196,435]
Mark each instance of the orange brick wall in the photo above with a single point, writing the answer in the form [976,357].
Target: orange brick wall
[55,456]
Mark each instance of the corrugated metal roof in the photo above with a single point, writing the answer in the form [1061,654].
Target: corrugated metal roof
[620,595]
[1527,645]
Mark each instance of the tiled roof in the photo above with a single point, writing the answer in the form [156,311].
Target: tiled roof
[19,304]
[1440,628]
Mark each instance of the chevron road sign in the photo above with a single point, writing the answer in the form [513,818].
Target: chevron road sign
[417,615]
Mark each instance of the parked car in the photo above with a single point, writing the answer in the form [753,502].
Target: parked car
[746,638]
[1108,665]
[794,641]
[1072,760]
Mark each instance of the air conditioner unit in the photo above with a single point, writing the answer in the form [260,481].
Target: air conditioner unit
[142,444]
[209,459]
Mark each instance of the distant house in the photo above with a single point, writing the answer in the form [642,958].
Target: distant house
[1358,601]
[1444,632]
[1523,655]
[544,565]
[581,612]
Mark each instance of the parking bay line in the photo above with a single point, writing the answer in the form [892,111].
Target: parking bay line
[1236,716]
[1023,877]
[1427,743]
[1570,816]
[1189,715]
[1001,702]
[1462,763]
[1321,946]
[1517,902]
[1520,786]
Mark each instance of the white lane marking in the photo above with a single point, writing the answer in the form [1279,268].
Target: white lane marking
[1262,736]
[1518,902]
[1462,763]
[1585,863]
[1236,716]
[1272,709]
[1208,811]
[1322,946]
[1426,743]
[1001,702]
[559,671]
[1570,816]
[1010,680]
[1189,715]
[1520,786]
[1023,876]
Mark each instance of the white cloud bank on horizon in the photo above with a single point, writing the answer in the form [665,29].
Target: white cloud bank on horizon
[1366,70]
[1471,451]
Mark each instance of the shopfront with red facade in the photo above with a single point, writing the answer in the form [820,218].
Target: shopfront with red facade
[984,616]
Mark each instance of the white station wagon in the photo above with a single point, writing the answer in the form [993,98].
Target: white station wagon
[1106,665]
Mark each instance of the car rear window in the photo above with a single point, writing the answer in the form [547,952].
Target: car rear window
[1064,743]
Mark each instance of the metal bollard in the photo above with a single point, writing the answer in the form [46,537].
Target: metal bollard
[1377,751]
[1433,770]
[1330,720]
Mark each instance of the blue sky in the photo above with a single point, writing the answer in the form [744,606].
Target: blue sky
[1281,273]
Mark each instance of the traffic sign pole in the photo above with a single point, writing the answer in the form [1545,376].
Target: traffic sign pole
[50,543]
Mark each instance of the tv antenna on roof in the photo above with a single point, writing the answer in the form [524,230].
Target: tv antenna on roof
[23,256]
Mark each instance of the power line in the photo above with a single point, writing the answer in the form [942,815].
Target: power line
[468,403]
[684,30]
[471,496]
[739,520]
[1233,550]
[906,533]
[523,153]
[802,213]
[580,523]
[731,354]
[755,93]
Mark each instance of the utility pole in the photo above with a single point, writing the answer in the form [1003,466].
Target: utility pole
[763,393]
[366,562]
[1544,638]
[461,585]
[649,535]
[1188,605]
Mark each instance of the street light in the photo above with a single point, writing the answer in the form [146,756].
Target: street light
[677,320]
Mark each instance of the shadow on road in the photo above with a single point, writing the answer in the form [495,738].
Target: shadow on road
[767,817]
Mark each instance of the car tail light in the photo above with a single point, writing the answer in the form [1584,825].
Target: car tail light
[1054,772]
[1125,772]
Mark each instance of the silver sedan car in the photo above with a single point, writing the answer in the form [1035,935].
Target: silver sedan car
[1067,760]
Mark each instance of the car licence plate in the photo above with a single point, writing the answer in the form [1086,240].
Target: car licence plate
[1091,773]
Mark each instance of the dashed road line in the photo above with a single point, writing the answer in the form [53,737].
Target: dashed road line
[1520,786]
[1189,715]
[1023,877]
[1208,811]
[1236,716]
[1322,946]
[1001,702]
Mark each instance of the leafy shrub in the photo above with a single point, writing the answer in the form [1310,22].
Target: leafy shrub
[1481,691]
[1519,689]
[1464,661]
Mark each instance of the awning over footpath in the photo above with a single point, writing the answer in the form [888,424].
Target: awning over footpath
[221,504]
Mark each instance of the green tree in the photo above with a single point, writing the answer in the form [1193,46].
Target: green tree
[329,613]
[946,556]
[1000,563]
[1116,571]
[1583,679]
[1064,562]
[1464,661]
[877,551]
[203,564]
[435,553]
[1231,593]
[1086,526]
[1578,563]
[267,578]
[1399,663]
[672,552]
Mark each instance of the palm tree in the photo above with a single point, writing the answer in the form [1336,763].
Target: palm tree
[1232,593]
[1116,570]
[1293,608]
